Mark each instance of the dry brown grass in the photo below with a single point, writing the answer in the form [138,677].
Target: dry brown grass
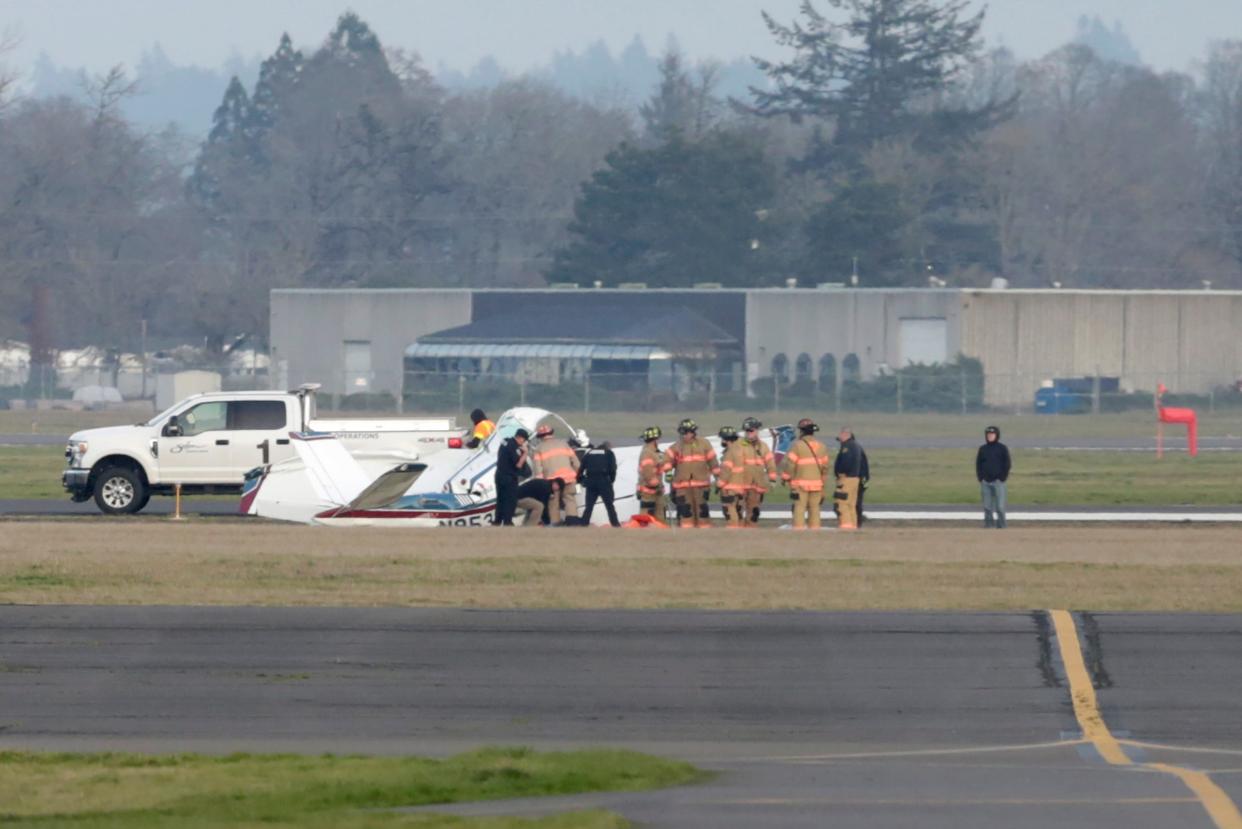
[204,562]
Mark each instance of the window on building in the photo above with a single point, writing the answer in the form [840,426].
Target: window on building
[780,369]
[827,373]
[851,368]
[802,368]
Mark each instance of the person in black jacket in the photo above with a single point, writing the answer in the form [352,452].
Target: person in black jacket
[598,473]
[511,466]
[848,469]
[541,498]
[992,466]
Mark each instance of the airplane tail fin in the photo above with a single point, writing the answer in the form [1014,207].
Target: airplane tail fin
[333,473]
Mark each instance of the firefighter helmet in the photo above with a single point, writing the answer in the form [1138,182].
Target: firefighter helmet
[728,433]
[751,423]
[807,425]
[652,433]
[687,425]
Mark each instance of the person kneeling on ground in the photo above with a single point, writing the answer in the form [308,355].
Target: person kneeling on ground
[541,498]
[992,466]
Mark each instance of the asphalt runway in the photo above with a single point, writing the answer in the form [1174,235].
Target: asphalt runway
[810,719]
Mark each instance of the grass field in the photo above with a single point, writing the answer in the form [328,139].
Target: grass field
[878,424]
[101,791]
[1137,424]
[1171,568]
[900,476]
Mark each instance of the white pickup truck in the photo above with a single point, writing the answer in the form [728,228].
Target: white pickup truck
[207,443]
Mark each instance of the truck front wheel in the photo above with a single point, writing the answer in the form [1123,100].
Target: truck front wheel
[120,491]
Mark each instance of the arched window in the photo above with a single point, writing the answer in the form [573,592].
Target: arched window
[827,373]
[851,369]
[802,368]
[780,369]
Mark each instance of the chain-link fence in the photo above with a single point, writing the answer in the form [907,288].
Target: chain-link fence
[949,389]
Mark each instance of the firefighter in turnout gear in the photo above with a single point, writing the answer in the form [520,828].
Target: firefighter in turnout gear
[651,475]
[805,469]
[734,480]
[555,458]
[760,471]
[693,463]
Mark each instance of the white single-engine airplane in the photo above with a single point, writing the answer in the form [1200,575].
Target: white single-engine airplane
[326,485]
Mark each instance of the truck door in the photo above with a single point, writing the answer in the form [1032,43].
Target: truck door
[200,454]
[258,435]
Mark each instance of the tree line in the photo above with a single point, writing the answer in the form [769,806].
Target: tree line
[886,147]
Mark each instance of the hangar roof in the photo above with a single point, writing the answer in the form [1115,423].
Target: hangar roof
[571,326]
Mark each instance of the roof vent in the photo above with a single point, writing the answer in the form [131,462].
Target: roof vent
[791,282]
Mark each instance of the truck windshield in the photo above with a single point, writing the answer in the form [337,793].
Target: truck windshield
[155,421]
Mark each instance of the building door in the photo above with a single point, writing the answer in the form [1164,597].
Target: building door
[924,340]
[358,377]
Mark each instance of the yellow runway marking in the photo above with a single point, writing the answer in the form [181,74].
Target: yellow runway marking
[1216,803]
[1082,692]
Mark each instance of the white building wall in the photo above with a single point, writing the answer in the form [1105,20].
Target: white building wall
[309,329]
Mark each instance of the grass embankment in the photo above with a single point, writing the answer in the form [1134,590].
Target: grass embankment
[899,476]
[126,790]
[63,422]
[1169,568]
[31,471]
[1137,424]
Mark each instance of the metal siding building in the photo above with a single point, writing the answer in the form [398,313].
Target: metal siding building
[354,340]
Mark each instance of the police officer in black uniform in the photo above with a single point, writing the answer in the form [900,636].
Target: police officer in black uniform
[597,474]
[511,466]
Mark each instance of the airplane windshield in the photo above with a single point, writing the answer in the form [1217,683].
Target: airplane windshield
[433,501]
[509,423]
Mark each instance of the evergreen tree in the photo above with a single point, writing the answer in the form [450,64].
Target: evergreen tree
[681,105]
[278,76]
[673,215]
[875,76]
[230,143]
[862,225]
[352,46]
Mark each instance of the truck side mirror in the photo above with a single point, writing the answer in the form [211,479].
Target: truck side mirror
[172,429]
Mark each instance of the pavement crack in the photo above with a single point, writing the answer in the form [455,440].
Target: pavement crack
[1043,632]
[1093,653]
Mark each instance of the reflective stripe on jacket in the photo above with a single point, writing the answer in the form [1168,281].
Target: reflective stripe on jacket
[806,465]
[651,470]
[734,477]
[693,462]
[555,459]
[761,467]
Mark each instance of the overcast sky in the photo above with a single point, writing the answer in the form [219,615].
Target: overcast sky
[1169,34]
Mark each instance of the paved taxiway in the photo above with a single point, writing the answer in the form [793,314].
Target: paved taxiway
[811,719]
